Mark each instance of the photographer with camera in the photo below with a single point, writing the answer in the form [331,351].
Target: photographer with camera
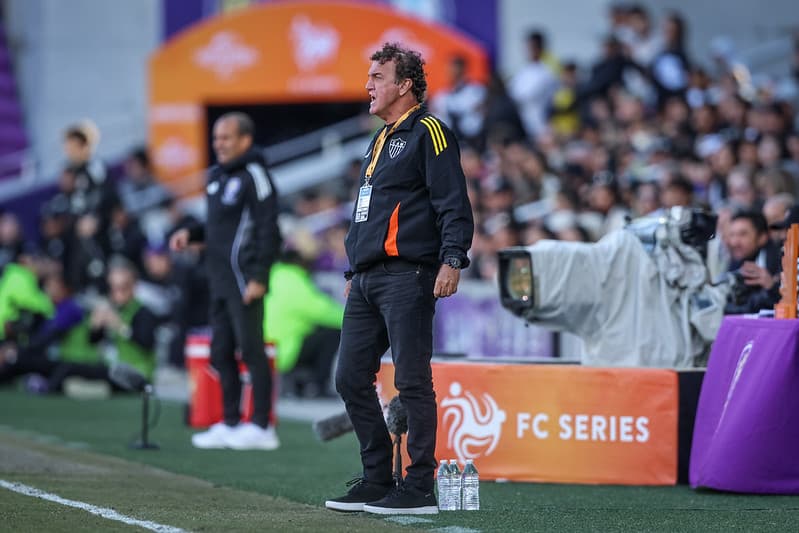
[755,264]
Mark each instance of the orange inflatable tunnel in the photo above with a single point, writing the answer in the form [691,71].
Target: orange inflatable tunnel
[287,52]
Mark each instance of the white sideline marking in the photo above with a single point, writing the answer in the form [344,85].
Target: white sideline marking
[455,529]
[104,512]
[408,520]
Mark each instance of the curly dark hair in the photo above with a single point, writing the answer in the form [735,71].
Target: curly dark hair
[409,65]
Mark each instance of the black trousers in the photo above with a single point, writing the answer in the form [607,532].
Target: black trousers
[391,304]
[233,325]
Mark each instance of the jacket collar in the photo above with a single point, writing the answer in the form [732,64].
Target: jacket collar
[253,155]
[408,123]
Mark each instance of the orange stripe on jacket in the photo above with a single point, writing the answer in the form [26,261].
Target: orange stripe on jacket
[390,246]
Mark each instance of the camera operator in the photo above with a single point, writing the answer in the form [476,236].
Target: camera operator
[755,264]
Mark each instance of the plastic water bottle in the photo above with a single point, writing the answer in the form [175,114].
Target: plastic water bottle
[444,482]
[470,480]
[455,485]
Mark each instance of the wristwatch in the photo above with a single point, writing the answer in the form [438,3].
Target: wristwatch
[453,262]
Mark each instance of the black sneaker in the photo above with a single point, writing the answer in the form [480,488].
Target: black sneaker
[361,492]
[404,500]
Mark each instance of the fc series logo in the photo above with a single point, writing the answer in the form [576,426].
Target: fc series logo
[473,424]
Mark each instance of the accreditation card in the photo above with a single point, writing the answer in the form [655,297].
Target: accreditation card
[362,207]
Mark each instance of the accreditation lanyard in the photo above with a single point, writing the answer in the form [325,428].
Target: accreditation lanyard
[365,192]
[381,140]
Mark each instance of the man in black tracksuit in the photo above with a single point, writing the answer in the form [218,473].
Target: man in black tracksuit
[412,227]
[242,240]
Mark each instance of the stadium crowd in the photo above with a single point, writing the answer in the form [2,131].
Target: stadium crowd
[568,152]
[556,151]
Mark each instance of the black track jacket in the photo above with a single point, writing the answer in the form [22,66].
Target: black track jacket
[241,235]
[419,210]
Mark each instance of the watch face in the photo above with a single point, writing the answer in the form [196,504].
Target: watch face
[454,262]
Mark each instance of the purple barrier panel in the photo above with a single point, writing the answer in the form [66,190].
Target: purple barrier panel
[746,434]
[473,322]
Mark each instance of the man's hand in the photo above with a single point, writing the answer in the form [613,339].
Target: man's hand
[446,281]
[100,315]
[253,291]
[104,316]
[179,240]
[755,275]
[112,320]
[347,288]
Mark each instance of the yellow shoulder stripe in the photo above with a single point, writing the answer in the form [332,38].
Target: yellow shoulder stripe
[433,135]
[436,134]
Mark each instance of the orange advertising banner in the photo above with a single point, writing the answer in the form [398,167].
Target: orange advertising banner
[561,424]
[280,52]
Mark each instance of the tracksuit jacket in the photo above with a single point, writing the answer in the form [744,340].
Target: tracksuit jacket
[241,235]
[419,210]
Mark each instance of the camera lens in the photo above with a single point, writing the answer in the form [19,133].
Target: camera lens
[520,278]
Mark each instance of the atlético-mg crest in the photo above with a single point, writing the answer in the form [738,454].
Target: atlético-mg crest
[395,146]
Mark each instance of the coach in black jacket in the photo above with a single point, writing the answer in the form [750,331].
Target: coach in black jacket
[242,241]
[411,228]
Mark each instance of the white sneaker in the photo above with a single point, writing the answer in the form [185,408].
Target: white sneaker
[214,437]
[249,436]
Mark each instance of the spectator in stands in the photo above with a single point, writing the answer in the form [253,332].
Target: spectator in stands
[618,17]
[791,164]
[304,324]
[775,210]
[22,303]
[773,181]
[139,191]
[608,72]
[671,66]
[62,339]
[534,84]
[756,262]
[643,43]
[122,323]
[564,113]
[177,293]
[647,198]
[460,106]
[54,229]
[124,236]
[119,330]
[502,122]
[604,200]
[86,264]
[86,179]
[741,188]
[11,239]
[677,192]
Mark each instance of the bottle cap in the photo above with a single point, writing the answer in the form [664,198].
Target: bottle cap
[469,461]
[453,461]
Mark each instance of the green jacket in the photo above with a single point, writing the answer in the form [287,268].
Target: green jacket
[76,347]
[294,306]
[19,291]
[128,351]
